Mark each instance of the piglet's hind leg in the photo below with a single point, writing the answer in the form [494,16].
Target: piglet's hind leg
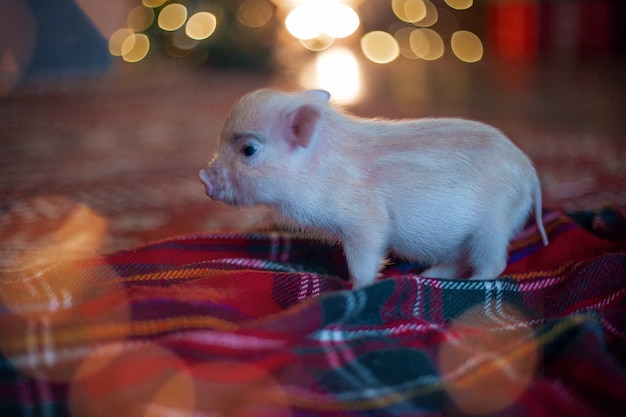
[488,253]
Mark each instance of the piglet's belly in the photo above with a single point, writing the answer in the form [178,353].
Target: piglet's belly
[430,247]
[432,234]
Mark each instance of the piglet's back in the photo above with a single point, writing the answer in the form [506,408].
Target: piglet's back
[428,151]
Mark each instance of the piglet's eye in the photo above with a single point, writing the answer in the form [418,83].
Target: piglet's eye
[249,149]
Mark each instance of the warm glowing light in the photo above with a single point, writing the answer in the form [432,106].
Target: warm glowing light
[466,46]
[460,4]
[301,25]
[318,44]
[337,71]
[409,10]
[135,47]
[182,43]
[72,230]
[106,384]
[201,25]
[153,3]
[341,20]
[172,17]
[426,44]
[380,47]
[322,17]
[432,15]
[403,36]
[140,18]
[117,39]
[42,283]
[255,13]
[488,364]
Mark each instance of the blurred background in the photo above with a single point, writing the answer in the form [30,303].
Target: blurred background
[109,109]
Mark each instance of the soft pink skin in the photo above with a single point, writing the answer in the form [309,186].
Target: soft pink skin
[449,192]
[206,180]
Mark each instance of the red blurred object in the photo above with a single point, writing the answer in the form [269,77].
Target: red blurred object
[513,30]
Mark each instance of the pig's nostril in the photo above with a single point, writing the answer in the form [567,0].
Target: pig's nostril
[204,177]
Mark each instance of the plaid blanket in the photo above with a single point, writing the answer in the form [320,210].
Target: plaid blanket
[265,325]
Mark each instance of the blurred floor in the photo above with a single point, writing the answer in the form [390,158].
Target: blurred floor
[123,151]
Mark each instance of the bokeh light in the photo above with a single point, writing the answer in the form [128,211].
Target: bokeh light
[146,379]
[409,10]
[104,384]
[43,288]
[403,36]
[316,24]
[255,13]
[322,17]
[341,21]
[172,17]
[485,371]
[135,47]
[466,46]
[182,44]
[117,39]
[140,18]
[337,71]
[201,25]
[427,44]
[432,15]
[319,43]
[153,3]
[460,4]
[380,47]
[301,24]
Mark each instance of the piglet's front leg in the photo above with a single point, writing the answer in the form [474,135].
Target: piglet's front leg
[364,256]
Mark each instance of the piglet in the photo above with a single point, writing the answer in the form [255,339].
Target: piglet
[448,192]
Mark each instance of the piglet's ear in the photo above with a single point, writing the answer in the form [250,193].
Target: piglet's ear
[319,94]
[301,124]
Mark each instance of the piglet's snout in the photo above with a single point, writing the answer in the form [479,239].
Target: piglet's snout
[206,180]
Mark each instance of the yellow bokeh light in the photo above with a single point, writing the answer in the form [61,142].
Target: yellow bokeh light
[301,24]
[140,18]
[380,47]
[409,10]
[426,44]
[337,71]
[322,17]
[135,47]
[460,4]
[172,17]
[403,35]
[201,25]
[318,44]
[182,43]
[341,20]
[255,13]
[153,3]
[466,46]
[117,39]
[431,17]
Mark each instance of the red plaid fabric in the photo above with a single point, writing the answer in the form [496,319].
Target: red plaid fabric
[265,325]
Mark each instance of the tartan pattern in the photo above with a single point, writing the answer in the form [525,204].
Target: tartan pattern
[262,325]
